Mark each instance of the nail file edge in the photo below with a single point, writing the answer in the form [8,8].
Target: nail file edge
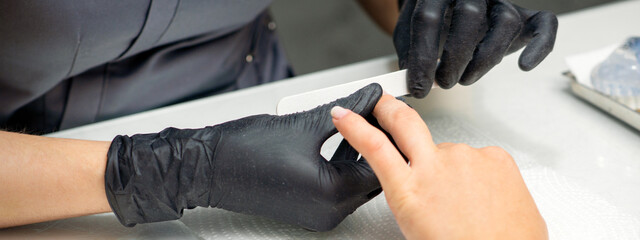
[393,83]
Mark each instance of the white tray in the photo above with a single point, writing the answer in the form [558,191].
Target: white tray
[607,104]
[580,66]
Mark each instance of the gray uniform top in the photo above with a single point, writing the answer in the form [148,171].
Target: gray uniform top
[68,63]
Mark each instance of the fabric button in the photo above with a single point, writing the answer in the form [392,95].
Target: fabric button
[272,25]
[249,58]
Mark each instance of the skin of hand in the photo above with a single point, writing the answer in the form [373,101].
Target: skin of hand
[383,12]
[448,191]
[469,37]
[43,178]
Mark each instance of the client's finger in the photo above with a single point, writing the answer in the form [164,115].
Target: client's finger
[405,125]
[373,144]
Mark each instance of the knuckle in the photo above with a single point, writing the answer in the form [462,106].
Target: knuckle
[418,92]
[461,152]
[444,144]
[462,147]
[510,16]
[403,114]
[375,143]
[428,17]
[475,9]
[498,154]
[495,151]
[512,20]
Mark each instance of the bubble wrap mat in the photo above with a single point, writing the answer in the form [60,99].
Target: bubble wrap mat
[570,210]
[99,226]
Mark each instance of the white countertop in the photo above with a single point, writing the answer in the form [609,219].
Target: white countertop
[534,113]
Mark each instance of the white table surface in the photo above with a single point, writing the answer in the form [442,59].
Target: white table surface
[533,112]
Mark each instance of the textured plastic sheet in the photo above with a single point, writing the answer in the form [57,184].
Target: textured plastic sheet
[570,210]
[100,226]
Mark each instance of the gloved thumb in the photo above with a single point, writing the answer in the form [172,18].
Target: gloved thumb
[361,102]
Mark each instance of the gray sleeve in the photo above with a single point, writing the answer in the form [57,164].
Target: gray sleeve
[44,42]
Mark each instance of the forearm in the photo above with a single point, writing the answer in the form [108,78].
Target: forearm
[45,178]
[383,12]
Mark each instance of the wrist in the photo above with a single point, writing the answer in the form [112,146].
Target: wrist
[153,177]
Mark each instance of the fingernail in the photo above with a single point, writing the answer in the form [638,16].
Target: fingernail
[338,112]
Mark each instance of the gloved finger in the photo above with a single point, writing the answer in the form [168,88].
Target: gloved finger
[525,36]
[402,32]
[544,26]
[505,26]
[373,188]
[358,176]
[345,152]
[318,120]
[422,60]
[468,27]
[358,183]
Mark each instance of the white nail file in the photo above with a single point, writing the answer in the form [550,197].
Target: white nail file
[394,83]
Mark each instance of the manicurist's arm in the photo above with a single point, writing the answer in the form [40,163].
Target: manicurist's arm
[45,178]
[261,165]
[383,12]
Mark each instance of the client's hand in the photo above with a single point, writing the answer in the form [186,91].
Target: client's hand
[449,191]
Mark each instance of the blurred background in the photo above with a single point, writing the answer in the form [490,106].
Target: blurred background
[320,34]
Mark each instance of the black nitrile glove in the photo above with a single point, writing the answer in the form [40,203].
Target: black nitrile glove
[261,165]
[478,33]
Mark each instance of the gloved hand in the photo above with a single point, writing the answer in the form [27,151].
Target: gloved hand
[261,165]
[476,35]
